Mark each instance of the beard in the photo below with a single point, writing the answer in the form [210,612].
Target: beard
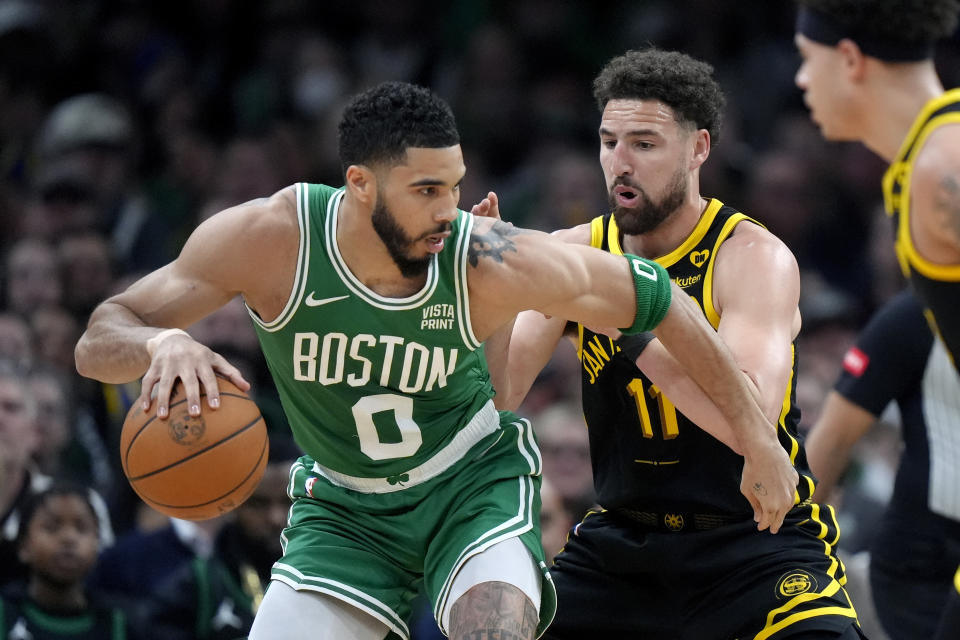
[648,215]
[397,241]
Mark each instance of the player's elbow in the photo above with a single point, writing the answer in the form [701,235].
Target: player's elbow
[88,364]
[81,357]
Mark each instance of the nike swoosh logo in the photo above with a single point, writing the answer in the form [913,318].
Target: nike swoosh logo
[313,302]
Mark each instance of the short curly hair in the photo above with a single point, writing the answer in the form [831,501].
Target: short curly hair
[59,488]
[380,124]
[683,83]
[909,21]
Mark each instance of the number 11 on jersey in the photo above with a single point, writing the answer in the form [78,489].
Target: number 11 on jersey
[668,413]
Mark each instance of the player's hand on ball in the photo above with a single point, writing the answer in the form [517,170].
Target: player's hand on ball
[180,357]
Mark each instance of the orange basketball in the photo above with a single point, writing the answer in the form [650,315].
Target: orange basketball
[195,467]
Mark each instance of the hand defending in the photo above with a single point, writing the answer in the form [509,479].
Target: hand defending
[489,207]
[181,357]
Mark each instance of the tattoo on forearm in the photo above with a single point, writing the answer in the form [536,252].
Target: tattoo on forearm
[492,243]
[493,611]
[948,201]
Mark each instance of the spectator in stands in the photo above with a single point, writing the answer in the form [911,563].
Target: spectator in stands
[58,542]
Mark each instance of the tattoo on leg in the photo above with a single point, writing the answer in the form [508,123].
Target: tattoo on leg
[493,611]
[493,243]
[948,201]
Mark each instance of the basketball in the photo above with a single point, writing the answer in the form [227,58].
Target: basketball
[200,467]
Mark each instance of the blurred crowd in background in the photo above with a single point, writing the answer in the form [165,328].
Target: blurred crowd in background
[123,124]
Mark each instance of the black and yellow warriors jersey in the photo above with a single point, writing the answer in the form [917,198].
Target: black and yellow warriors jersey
[646,454]
[937,285]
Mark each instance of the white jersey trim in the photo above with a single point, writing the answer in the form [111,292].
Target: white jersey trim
[341,591]
[303,259]
[482,424]
[360,289]
[515,526]
[460,284]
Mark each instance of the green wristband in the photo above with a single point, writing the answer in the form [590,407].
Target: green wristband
[652,284]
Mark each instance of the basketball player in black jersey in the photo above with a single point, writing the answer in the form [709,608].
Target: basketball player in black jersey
[868,74]
[674,552]
[896,358]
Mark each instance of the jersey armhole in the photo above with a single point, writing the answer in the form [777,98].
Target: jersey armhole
[303,259]
[709,310]
[462,290]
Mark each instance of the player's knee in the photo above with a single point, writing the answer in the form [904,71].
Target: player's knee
[496,608]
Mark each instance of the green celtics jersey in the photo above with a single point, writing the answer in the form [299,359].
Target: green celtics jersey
[374,386]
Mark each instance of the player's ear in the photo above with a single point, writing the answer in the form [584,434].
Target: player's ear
[854,62]
[362,183]
[701,148]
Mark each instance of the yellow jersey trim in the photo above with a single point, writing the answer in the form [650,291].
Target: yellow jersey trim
[596,232]
[613,235]
[781,617]
[703,225]
[708,307]
[613,238]
[899,165]
[921,121]
[906,251]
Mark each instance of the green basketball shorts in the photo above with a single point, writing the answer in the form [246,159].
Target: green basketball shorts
[375,550]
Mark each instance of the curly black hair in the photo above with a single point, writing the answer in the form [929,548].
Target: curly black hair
[684,84]
[380,124]
[909,21]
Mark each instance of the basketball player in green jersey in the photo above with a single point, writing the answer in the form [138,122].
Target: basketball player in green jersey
[868,74]
[673,552]
[371,303]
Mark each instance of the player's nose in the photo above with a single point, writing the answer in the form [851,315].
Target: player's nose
[622,162]
[445,214]
[800,78]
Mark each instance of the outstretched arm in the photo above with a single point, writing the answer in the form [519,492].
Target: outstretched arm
[532,270]
[666,373]
[518,350]
[769,480]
